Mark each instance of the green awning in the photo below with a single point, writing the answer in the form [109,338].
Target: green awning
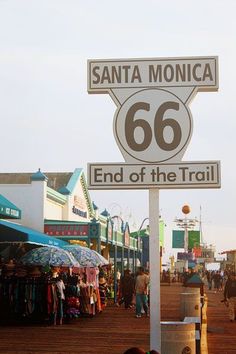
[15,233]
[8,210]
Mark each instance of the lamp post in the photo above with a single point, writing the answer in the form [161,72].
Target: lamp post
[186,224]
[117,218]
[140,241]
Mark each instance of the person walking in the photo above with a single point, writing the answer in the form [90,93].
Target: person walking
[230,295]
[141,292]
[102,290]
[126,289]
[217,280]
[209,280]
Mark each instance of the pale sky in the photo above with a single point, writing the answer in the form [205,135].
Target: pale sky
[50,121]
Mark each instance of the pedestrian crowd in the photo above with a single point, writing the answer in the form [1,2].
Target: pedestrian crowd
[224,281]
[215,280]
[230,295]
[133,291]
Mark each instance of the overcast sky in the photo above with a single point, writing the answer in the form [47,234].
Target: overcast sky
[48,119]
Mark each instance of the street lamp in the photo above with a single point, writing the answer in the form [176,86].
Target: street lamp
[186,224]
[122,226]
[140,242]
[140,228]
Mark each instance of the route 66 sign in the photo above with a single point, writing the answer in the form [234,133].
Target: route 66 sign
[152,126]
[153,123]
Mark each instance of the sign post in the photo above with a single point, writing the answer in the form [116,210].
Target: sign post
[154,261]
[153,127]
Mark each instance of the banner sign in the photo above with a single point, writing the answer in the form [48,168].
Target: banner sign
[177,239]
[185,256]
[197,251]
[193,239]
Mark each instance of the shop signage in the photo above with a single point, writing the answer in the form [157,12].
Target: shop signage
[79,212]
[10,212]
[66,230]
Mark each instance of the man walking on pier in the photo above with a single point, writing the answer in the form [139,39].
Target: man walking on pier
[141,291]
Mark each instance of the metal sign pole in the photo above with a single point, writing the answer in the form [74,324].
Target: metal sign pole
[154,258]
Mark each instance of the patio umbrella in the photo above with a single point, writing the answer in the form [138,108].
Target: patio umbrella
[49,256]
[85,256]
[100,258]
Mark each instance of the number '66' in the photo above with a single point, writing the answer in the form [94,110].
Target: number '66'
[159,125]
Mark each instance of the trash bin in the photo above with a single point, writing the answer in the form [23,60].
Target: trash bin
[190,305]
[178,338]
[192,290]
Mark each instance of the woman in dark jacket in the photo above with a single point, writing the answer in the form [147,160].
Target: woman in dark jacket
[127,288]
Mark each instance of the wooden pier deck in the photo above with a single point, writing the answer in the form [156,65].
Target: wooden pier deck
[221,333]
[117,329]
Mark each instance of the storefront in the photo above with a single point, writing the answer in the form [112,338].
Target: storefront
[59,207]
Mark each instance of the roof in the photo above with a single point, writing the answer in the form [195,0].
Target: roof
[39,176]
[94,206]
[230,251]
[62,182]
[72,181]
[56,180]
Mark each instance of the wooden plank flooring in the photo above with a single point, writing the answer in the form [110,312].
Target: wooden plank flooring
[116,329]
[221,336]
[113,331]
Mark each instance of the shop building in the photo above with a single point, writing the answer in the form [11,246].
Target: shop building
[59,205]
[229,263]
[50,196]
